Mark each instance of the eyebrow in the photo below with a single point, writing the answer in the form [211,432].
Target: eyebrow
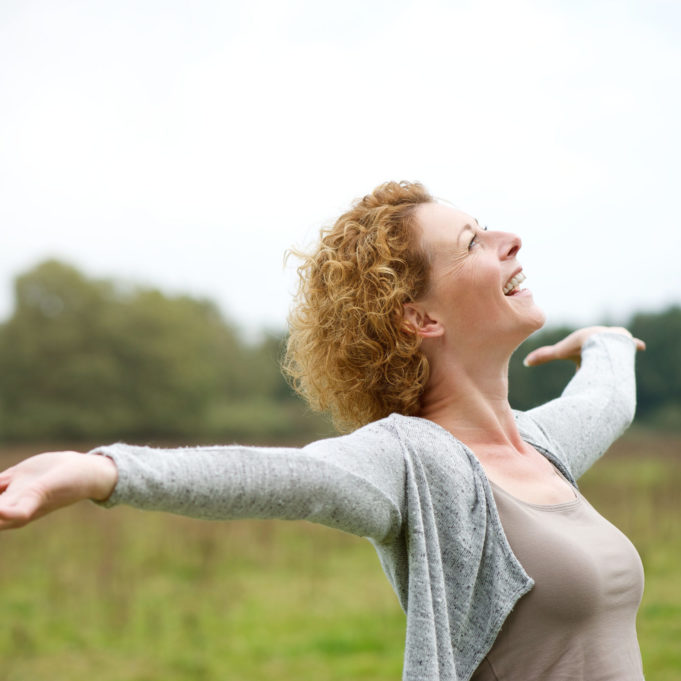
[466,228]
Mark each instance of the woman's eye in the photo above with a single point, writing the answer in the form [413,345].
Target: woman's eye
[474,240]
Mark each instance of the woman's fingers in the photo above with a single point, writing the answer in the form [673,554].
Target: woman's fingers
[4,481]
[17,512]
[541,355]
[20,498]
[569,347]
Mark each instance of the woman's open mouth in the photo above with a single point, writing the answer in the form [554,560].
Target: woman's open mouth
[511,287]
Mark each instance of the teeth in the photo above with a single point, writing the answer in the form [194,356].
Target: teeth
[514,282]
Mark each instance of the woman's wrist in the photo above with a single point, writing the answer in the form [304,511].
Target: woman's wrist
[103,479]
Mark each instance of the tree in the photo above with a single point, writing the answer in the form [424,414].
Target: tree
[88,358]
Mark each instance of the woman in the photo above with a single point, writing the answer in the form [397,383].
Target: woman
[406,316]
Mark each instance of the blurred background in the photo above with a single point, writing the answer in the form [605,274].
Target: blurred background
[156,161]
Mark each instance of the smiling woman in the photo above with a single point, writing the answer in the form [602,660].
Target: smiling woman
[406,316]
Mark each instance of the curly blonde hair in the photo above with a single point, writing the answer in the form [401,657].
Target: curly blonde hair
[350,350]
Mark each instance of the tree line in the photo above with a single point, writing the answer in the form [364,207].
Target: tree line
[98,360]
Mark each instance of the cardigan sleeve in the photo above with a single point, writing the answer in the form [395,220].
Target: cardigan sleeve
[353,483]
[597,405]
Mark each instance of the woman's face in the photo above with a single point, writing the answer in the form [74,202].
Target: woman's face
[475,279]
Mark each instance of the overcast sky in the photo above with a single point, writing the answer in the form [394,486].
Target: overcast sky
[187,144]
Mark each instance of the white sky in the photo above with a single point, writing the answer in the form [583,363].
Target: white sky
[186,144]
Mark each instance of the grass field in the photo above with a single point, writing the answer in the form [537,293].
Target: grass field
[121,595]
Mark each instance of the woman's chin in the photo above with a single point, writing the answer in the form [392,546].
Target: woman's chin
[533,321]
[536,318]
[540,319]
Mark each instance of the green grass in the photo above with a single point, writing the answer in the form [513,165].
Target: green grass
[119,595]
[122,595]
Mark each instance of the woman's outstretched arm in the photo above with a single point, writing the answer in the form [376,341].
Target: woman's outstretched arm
[353,483]
[598,404]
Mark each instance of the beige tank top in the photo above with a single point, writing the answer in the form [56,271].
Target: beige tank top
[578,623]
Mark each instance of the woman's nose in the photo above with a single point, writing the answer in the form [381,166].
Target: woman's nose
[509,245]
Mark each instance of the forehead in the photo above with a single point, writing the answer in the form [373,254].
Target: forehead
[442,224]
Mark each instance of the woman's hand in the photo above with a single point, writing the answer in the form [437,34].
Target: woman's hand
[50,481]
[571,346]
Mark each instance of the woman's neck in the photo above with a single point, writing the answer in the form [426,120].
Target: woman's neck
[469,398]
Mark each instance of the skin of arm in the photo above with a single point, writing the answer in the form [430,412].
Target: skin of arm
[46,482]
[571,346]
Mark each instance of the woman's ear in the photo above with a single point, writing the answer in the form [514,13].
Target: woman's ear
[417,320]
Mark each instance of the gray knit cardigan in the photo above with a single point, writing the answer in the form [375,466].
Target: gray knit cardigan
[417,493]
